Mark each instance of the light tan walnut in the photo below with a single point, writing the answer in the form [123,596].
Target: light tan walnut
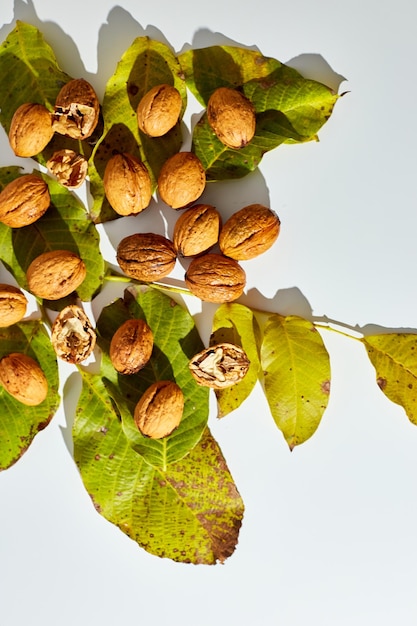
[215,278]
[196,230]
[159,410]
[55,274]
[13,304]
[232,117]
[131,346]
[30,129]
[23,378]
[127,184]
[24,200]
[249,232]
[159,109]
[146,256]
[182,180]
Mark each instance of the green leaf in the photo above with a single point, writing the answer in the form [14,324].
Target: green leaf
[296,373]
[65,225]
[145,63]
[236,323]
[176,340]
[20,423]
[191,512]
[289,108]
[29,72]
[394,357]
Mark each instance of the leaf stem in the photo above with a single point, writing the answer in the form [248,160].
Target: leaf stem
[336,327]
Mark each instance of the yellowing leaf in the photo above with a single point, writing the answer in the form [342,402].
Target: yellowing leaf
[191,512]
[394,357]
[296,373]
[236,323]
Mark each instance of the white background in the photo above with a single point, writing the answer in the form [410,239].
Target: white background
[329,533]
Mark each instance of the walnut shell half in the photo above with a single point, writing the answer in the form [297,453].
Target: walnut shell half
[219,366]
[77,110]
[73,336]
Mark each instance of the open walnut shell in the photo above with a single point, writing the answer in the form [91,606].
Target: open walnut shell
[73,337]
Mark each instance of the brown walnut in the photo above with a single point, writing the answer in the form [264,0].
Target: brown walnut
[23,378]
[69,167]
[159,110]
[30,129]
[249,232]
[77,110]
[127,184]
[146,256]
[24,200]
[131,346]
[13,303]
[196,230]
[215,278]
[182,180]
[219,366]
[159,410]
[232,117]
[73,336]
[55,274]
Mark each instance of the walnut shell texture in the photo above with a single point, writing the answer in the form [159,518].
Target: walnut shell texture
[219,366]
[30,129]
[159,110]
[196,230]
[77,110]
[73,336]
[23,378]
[146,256]
[24,200]
[131,346]
[55,274]
[13,304]
[182,180]
[215,278]
[232,117]
[159,410]
[249,232]
[127,184]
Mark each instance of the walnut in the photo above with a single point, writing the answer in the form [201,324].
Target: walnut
[73,337]
[159,411]
[215,278]
[55,274]
[69,167]
[127,184]
[131,346]
[249,232]
[77,110]
[24,200]
[219,366]
[232,117]
[146,256]
[196,230]
[13,304]
[182,180]
[30,129]
[23,378]
[159,110]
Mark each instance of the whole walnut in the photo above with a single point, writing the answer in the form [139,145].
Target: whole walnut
[159,410]
[55,274]
[249,232]
[77,110]
[24,200]
[30,129]
[159,110]
[146,256]
[215,278]
[182,180]
[196,230]
[23,378]
[127,184]
[131,346]
[232,117]
[13,304]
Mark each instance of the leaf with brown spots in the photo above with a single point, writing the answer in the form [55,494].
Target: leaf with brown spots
[394,357]
[296,376]
[190,513]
